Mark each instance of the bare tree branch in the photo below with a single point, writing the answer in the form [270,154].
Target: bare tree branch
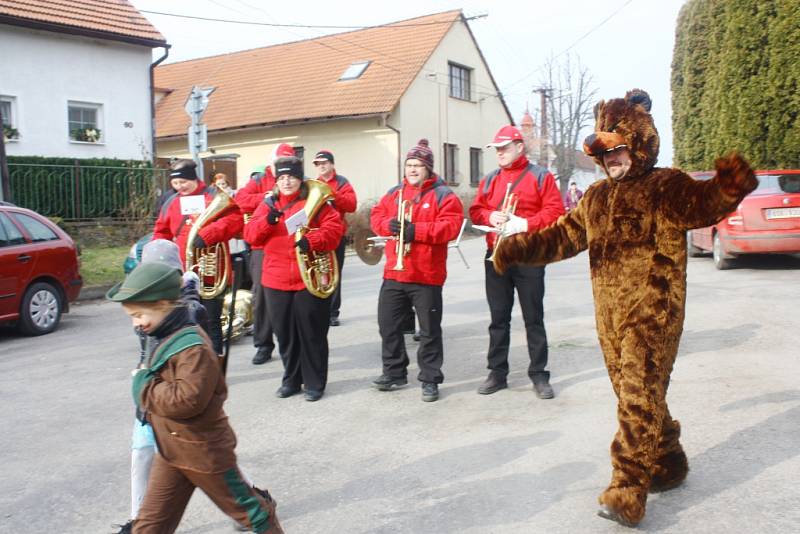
[570,99]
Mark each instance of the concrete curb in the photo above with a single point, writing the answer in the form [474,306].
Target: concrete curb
[93,292]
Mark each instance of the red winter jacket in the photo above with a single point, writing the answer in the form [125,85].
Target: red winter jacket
[252,194]
[436,214]
[541,205]
[345,199]
[280,269]
[174,226]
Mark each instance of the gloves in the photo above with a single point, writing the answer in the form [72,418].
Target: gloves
[394,226]
[408,235]
[273,216]
[303,245]
[515,225]
[199,242]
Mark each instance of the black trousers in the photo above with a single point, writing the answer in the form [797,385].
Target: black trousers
[301,323]
[214,309]
[529,283]
[262,327]
[336,298]
[395,299]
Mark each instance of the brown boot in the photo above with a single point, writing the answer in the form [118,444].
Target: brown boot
[669,471]
[626,505]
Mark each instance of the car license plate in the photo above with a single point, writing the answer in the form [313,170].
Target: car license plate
[782,213]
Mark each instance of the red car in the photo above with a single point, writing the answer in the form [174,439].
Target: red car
[38,270]
[767,221]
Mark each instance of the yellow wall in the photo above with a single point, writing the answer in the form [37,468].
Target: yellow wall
[365,152]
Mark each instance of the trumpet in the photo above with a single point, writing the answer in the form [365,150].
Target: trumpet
[508,208]
[404,216]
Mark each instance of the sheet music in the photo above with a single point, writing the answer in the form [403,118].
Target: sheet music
[296,221]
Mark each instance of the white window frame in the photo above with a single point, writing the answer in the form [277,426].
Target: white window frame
[12,116]
[99,125]
[355,70]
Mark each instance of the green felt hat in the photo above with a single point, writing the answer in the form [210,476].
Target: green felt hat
[148,282]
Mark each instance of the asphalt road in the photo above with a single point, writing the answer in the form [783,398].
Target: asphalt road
[362,461]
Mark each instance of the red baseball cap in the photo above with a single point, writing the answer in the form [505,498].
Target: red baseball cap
[506,135]
[283,150]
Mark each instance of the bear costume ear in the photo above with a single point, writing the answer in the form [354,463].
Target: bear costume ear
[597,108]
[638,96]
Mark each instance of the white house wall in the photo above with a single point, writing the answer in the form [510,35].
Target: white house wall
[467,124]
[365,150]
[45,70]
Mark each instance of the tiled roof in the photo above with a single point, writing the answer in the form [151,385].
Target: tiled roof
[118,18]
[300,80]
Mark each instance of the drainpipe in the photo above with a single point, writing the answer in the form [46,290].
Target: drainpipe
[153,66]
[385,119]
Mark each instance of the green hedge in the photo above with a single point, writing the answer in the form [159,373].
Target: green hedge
[736,82]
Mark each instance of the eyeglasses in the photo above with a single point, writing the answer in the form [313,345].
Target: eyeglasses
[414,166]
[286,178]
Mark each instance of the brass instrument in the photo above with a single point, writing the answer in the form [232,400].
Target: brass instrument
[508,208]
[242,314]
[319,270]
[404,216]
[213,263]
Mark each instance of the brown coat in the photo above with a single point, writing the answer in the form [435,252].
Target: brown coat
[183,401]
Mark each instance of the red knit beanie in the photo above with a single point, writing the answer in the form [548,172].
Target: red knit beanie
[423,153]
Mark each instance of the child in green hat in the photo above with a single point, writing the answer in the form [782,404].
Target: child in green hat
[181,390]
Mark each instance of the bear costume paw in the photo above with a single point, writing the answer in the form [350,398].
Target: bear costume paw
[625,505]
[669,472]
[735,174]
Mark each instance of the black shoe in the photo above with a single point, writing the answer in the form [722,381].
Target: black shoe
[386,383]
[492,384]
[313,395]
[263,355]
[430,392]
[335,321]
[127,528]
[543,389]
[286,391]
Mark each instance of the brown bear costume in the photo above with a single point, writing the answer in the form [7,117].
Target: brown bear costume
[635,229]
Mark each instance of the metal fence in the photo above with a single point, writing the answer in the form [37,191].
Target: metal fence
[75,192]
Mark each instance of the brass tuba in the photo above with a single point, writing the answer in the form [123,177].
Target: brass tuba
[212,264]
[319,270]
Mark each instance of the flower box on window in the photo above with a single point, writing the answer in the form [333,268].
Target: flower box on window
[86,135]
[9,132]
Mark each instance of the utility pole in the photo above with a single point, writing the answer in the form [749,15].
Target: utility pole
[5,190]
[543,148]
[196,104]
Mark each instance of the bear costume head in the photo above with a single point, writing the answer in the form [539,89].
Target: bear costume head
[625,122]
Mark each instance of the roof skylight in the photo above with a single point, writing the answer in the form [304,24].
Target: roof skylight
[355,70]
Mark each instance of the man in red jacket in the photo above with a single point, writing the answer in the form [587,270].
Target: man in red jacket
[248,198]
[177,217]
[344,202]
[538,204]
[436,216]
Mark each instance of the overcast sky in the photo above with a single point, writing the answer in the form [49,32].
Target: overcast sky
[623,43]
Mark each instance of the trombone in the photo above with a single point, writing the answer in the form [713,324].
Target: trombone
[508,208]
[404,216]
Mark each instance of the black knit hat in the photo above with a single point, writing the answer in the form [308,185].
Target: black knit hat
[291,166]
[183,168]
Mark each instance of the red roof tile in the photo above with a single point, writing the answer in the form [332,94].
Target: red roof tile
[300,80]
[115,17]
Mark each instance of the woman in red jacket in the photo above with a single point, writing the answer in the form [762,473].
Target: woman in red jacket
[436,217]
[300,319]
[176,217]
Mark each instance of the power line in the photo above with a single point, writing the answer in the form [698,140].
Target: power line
[570,47]
[280,25]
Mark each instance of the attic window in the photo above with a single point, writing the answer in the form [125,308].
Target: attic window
[355,70]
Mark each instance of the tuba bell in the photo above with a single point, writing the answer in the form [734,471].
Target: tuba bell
[319,270]
[213,263]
